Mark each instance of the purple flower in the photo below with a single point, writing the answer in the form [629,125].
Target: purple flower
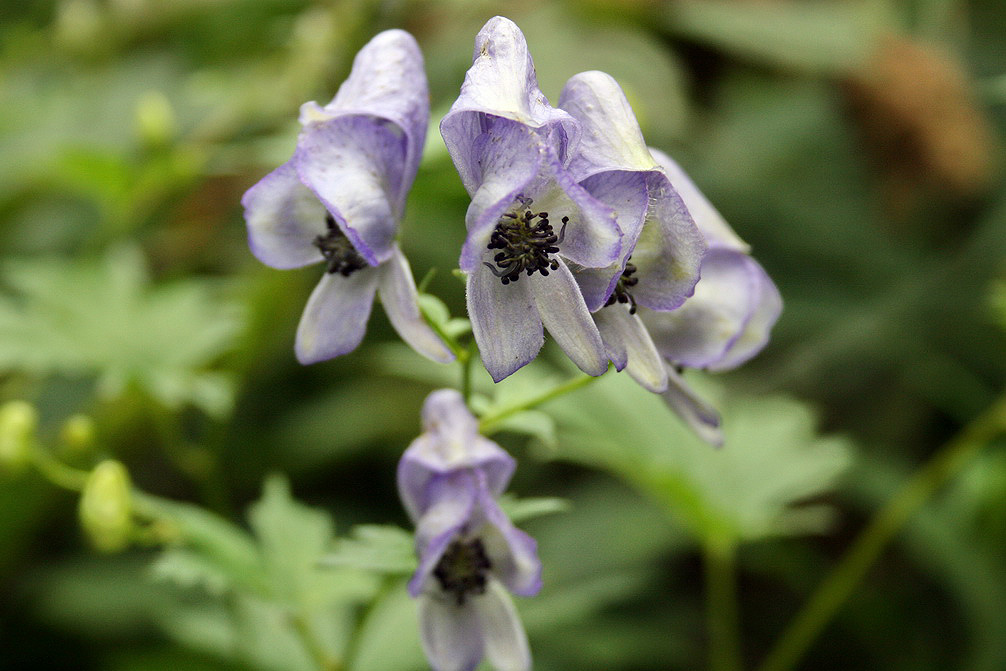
[339,200]
[662,248]
[528,214]
[470,553]
[725,323]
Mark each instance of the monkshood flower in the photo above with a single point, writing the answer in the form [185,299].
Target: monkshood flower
[340,198]
[469,552]
[725,323]
[662,249]
[528,215]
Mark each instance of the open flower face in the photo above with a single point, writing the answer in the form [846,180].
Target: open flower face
[470,553]
[339,200]
[529,220]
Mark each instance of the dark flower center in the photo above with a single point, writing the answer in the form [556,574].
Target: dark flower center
[462,569]
[339,253]
[526,242]
[621,293]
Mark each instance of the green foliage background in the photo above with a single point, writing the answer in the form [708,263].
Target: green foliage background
[856,144]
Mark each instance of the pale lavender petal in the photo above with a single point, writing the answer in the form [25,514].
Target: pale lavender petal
[505,322]
[283,218]
[451,502]
[755,335]
[644,363]
[400,299]
[514,554]
[336,315]
[700,416]
[565,315]
[451,635]
[505,642]
[669,251]
[712,224]
[500,83]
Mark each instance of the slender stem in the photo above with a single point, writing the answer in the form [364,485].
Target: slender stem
[466,374]
[321,657]
[722,619]
[57,472]
[352,647]
[490,422]
[839,584]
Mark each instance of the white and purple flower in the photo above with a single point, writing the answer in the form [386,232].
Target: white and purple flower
[340,198]
[469,552]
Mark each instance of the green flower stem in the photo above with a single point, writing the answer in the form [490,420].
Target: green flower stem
[322,659]
[57,472]
[490,422]
[840,583]
[722,620]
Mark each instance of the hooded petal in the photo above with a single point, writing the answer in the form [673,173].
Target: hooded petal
[503,634]
[565,315]
[700,417]
[624,333]
[284,218]
[354,165]
[400,299]
[755,335]
[451,635]
[505,322]
[336,315]
[500,83]
[514,554]
[451,500]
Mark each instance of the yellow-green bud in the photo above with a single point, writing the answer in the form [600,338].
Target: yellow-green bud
[77,434]
[18,422]
[155,119]
[106,507]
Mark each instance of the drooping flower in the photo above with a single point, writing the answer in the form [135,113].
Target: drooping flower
[725,323]
[340,198]
[528,214]
[662,248]
[469,552]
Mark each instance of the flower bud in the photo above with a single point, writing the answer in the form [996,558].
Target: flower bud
[18,422]
[77,434]
[106,507]
[155,119]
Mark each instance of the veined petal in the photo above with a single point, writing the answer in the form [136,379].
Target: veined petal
[450,504]
[505,322]
[514,554]
[755,335]
[336,315]
[611,138]
[451,635]
[700,417]
[644,363]
[283,218]
[565,315]
[400,299]
[503,634]
[714,227]
[354,165]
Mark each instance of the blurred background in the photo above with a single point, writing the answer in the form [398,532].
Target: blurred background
[856,144]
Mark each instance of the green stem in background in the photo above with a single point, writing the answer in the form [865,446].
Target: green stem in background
[351,652]
[722,619]
[466,374]
[491,420]
[57,472]
[840,583]
[324,661]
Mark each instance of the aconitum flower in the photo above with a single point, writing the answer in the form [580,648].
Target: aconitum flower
[725,323]
[340,198]
[529,222]
[662,248]
[469,552]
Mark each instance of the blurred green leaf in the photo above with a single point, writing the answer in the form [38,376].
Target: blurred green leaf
[371,547]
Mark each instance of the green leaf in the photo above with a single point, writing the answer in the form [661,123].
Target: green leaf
[370,547]
[519,510]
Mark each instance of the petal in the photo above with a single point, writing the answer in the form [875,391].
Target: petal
[611,138]
[644,363]
[501,83]
[354,165]
[335,318]
[700,417]
[451,635]
[450,500]
[503,634]
[505,322]
[712,224]
[565,315]
[400,299]
[669,251]
[755,335]
[283,218]
[514,554]
[388,81]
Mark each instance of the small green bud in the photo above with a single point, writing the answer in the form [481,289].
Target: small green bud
[106,507]
[18,422]
[77,434]
[155,119]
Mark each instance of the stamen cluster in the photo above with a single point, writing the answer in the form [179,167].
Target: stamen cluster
[525,244]
[338,251]
[462,569]
[621,293]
